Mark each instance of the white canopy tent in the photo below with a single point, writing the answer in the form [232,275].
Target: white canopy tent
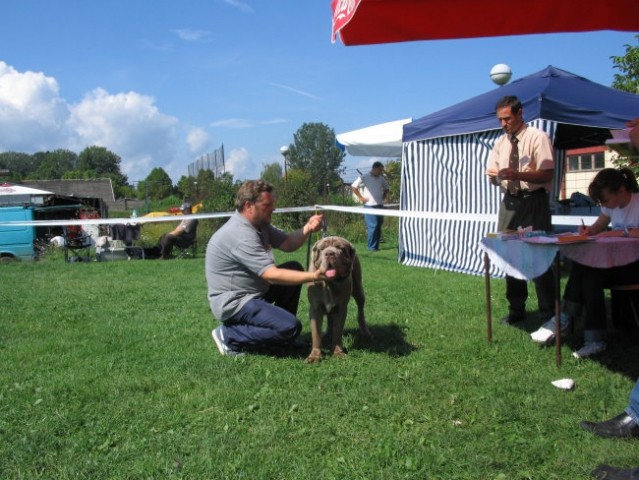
[383,140]
[9,189]
[19,195]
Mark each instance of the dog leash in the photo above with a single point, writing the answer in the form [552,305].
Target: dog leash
[308,246]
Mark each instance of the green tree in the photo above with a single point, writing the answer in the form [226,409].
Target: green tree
[17,165]
[628,81]
[185,187]
[272,172]
[53,165]
[298,191]
[156,186]
[393,171]
[221,197]
[628,65]
[314,151]
[98,162]
[204,185]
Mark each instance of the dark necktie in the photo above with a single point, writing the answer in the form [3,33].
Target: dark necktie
[513,162]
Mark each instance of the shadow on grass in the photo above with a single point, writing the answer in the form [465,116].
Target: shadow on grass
[386,339]
[622,344]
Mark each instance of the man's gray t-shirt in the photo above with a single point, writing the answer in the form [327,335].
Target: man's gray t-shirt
[236,257]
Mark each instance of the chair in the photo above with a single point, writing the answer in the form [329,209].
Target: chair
[186,252]
[128,233]
[77,244]
[624,306]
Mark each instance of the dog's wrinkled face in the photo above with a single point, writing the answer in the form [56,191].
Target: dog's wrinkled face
[334,253]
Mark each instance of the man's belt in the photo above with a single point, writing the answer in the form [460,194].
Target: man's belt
[527,193]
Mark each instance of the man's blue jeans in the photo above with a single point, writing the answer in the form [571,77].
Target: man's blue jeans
[374,227]
[633,405]
[269,321]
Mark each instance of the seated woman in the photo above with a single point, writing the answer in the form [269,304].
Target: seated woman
[616,192]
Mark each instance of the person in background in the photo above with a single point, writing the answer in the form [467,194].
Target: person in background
[616,192]
[522,164]
[183,235]
[254,300]
[371,189]
[626,424]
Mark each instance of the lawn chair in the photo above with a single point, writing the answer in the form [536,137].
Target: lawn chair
[128,233]
[186,252]
[77,244]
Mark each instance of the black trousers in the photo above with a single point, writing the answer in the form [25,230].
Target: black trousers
[526,210]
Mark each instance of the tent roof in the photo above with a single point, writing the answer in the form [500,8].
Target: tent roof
[383,140]
[585,110]
[363,22]
[9,189]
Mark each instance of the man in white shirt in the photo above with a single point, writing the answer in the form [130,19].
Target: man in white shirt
[371,189]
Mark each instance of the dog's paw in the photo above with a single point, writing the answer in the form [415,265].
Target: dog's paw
[338,352]
[315,356]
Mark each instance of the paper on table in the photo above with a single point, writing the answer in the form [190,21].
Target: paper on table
[542,240]
[559,239]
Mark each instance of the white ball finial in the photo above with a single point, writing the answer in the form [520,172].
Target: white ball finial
[284,150]
[500,74]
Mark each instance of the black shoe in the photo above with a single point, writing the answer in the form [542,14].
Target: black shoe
[604,472]
[513,318]
[622,426]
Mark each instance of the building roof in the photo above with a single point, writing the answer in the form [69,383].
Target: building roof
[84,188]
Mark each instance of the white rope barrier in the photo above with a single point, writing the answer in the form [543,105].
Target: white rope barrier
[385,212]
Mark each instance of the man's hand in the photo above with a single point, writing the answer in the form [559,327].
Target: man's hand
[314,224]
[508,173]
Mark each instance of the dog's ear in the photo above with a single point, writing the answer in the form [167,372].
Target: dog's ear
[317,248]
[350,250]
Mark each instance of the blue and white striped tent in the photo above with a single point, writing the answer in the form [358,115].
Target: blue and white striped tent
[444,159]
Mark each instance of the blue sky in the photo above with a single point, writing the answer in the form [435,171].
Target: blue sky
[160,82]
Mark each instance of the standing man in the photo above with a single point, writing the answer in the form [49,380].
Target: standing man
[183,235]
[371,189]
[255,301]
[522,164]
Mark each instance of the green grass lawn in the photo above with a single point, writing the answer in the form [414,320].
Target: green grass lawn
[109,372]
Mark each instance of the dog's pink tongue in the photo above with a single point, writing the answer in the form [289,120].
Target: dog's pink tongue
[331,273]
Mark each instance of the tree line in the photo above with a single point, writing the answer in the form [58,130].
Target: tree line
[311,175]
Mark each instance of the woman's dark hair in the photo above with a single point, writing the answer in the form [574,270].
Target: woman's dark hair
[250,191]
[612,180]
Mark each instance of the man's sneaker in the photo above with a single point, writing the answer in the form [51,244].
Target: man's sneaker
[589,349]
[218,338]
[546,333]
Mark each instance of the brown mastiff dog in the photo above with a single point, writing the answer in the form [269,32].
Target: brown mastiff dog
[336,256]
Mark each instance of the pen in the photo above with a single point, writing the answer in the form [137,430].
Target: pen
[582,223]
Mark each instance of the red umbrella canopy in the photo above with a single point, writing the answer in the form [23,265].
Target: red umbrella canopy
[364,22]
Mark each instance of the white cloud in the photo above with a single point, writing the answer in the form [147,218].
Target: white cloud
[295,90]
[128,124]
[239,163]
[198,141]
[191,35]
[32,114]
[273,121]
[232,123]
[243,7]
[34,117]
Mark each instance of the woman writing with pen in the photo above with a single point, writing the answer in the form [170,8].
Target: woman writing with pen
[617,193]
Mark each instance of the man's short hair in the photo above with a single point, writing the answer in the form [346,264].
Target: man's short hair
[185,206]
[509,101]
[250,191]
[378,165]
